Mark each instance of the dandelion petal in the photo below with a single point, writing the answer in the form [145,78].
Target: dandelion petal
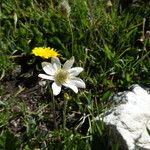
[56,88]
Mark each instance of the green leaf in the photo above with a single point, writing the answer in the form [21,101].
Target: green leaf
[109,54]
[8,141]
[106,95]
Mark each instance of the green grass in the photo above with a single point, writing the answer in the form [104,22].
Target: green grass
[105,41]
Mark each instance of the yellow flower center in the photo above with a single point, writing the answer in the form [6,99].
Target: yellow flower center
[61,76]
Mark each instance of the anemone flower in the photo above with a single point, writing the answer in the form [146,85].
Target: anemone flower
[62,75]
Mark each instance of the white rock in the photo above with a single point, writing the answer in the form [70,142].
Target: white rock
[130,117]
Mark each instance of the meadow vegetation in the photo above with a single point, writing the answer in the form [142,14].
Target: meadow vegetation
[110,42]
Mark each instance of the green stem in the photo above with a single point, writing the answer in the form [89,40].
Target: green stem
[72,38]
[54,108]
[52,4]
[64,113]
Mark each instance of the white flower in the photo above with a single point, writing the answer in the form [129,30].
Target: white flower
[62,75]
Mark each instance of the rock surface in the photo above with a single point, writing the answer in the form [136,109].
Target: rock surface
[129,119]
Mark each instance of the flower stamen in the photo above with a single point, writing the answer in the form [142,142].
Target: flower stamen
[61,76]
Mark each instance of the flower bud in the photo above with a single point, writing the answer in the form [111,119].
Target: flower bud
[147,35]
[65,8]
[109,3]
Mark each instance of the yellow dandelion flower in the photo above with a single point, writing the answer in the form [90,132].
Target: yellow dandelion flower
[45,52]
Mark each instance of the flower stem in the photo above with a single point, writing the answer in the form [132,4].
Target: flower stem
[54,112]
[71,31]
[54,108]
[64,113]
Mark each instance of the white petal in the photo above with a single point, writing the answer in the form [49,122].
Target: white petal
[75,71]
[77,82]
[71,86]
[48,68]
[69,63]
[56,88]
[56,63]
[44,76]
